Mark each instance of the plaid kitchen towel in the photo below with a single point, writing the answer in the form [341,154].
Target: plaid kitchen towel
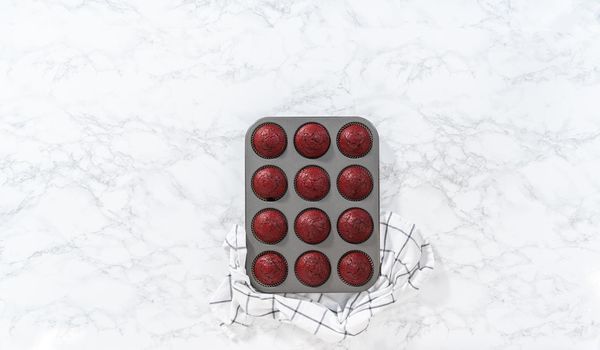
[406,260]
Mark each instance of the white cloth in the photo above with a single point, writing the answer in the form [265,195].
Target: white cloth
[406,260]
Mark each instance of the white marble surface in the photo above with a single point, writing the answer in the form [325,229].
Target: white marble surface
[121,158]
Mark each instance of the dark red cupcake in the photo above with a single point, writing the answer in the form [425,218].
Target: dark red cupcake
[355,225]
[355,183]
[312,183]
[270,268]
[269,226]
[354,140]
[355,268]
[312,140]
[312,268]
[269,140]
[269,183]
[312,226]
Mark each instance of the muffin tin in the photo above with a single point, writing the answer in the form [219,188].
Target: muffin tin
[299,192]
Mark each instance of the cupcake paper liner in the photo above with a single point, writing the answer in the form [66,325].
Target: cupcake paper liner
[254,190]
[344,238]
[296,183]
[370,262]
[296,269]
[300,213]
[299,151]
[337,139]
[287,227]
[287,270]
[254,134]
[350,199]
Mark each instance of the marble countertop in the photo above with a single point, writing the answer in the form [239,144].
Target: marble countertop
[121,158]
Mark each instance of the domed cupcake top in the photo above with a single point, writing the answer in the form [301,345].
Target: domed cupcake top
[312,140]
[355,268]
[312,268]
[354,140]
[270,268]
[355,183]
[312,226]
[269,183]
[269,140]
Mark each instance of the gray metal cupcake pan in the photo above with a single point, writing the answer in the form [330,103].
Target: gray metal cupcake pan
[291,204]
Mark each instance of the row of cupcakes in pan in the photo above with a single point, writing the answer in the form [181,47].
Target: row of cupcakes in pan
[354,183]
[312,140]
[312,268]
[312,225]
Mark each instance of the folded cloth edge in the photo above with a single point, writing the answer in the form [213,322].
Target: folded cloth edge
[406,261]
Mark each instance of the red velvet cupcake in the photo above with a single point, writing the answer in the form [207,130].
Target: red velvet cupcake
[355,225]
[354,140]
[269,140]
[269,226]
[270,268]
[355,183]
[269,183]
[312,183]
[312,268]
[312,226]
[312,140]
[355,268]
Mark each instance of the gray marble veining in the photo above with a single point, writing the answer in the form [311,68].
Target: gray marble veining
[121,158]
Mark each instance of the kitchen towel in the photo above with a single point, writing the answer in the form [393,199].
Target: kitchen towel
[406,260]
